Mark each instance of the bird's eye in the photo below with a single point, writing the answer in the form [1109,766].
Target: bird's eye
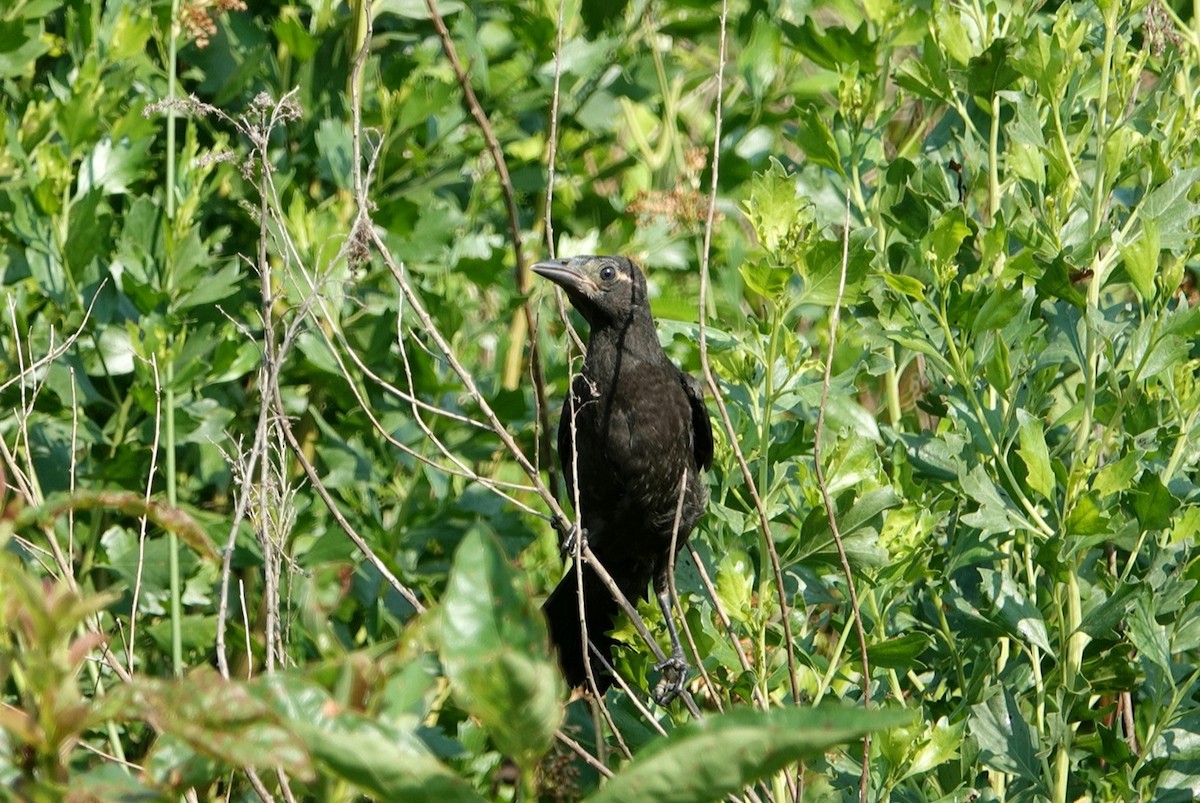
[607,273]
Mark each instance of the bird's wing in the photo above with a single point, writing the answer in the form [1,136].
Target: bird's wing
[702,436]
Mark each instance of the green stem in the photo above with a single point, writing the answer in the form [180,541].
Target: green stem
[1099,194]
[764,437]
[169,434]
[994,162]
[963,377]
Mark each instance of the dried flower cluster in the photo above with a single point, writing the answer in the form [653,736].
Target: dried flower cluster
[684,204]
[198,18]
[1160,30]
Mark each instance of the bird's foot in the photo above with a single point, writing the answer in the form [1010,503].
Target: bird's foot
[673,681]
[568,534]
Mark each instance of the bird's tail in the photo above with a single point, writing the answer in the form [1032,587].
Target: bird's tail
[562,615]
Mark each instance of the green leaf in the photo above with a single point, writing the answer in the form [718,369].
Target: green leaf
[735,585]
[495,650]
[228,721]
[763,278]
[1153,504]
[999,309]
[1141,259]
[1116,477]
[990,72]
[380,760]
[1089,516]
[815,137]
[778,215]
[1005,739]
[942,745]
[823,268]
[1019,616]
[222,284]
[1039,475]
[900,652]
[113,167]
[947,235]
[707,760]
[905,285]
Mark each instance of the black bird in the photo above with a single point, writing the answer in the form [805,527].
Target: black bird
[641,436]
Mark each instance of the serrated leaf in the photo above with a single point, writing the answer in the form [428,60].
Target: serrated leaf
[1019,616]
[385,762]
[817,140]
[1005,739]
[1116,477]
[1153,504]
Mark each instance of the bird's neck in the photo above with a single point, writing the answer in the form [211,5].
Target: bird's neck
[616,347]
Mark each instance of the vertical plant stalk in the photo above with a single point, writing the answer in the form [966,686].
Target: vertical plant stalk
[1073,638]
[831,511]
[169,385]
[715,389]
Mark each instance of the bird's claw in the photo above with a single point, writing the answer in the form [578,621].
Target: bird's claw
[673,681]
[568,534]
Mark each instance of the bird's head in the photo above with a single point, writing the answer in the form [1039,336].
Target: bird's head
[607,290]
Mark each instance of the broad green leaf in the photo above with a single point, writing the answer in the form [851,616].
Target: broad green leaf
[380,760]
[1153,504]
[947,235]
[1005,738]
[779,217]
[763,278]
[735,585]
[817,140]
[823,267]
[1187,526]
[1020,616]
[495,651]
[991,71]
[707,760]
[1116,477]
[942,745]
[221,719]
[997,513]
[899,652]
[113,167]
[1089,516]
[1000,307]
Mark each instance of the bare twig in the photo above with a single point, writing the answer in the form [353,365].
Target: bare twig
[521,270]
[580,751]
[827,499]
[674,593]
[55,351]
[715,388]
[144,518]
[726,622]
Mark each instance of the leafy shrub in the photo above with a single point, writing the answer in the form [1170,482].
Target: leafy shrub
[276,389]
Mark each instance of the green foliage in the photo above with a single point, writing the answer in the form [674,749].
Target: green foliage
[238,433]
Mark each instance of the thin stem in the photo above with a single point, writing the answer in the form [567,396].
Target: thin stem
[715,389]
[827,499]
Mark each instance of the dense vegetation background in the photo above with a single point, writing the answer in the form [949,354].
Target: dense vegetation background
[275,386]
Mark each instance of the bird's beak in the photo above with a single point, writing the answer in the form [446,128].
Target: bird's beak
[567,274]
